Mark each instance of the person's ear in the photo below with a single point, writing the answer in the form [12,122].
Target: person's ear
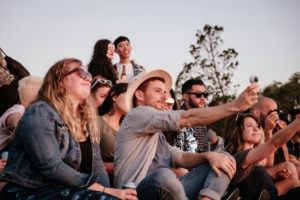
[139,95]
[185,96]
[116,51]
[255,112]
[114,98]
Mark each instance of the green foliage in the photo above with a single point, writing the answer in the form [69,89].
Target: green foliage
[212,65]
[287,95]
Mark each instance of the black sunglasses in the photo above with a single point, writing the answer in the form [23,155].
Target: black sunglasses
[199,94]
[83,74]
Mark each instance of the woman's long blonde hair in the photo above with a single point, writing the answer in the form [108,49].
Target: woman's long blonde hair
[54,92]
[233,134]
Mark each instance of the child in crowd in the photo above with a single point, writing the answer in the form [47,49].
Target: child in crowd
[28,90]
[55,153]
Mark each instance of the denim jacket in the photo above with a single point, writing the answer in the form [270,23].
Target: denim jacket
[43,152]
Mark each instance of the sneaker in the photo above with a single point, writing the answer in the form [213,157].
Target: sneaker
[231,194]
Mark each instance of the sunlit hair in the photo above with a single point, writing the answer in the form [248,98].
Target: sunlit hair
[98,85]
[54,92]
[233,132]
[28,89]
[107,107]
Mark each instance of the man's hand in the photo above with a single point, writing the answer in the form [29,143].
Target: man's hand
[280,125]
[283,174]
[247,98]
[271,121]
[221,161]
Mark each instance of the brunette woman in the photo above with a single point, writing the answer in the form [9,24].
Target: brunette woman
[99,89]
[101,62]
[111,112]
[244,141]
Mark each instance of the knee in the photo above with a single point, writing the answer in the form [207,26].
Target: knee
[163,178]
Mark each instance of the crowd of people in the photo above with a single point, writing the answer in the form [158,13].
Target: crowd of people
[84,132]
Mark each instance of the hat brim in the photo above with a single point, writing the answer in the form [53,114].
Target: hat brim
[136,81]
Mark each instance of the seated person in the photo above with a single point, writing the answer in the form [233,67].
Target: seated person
[172,104]
[244,139]
[28,90]
[293,144]
[99,89]
[109,121]
[55,153]
[216,142]
[143,156]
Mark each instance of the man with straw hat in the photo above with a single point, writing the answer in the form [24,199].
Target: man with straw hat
[143,156]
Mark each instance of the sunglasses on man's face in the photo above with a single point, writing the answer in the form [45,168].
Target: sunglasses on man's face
[199,94]
[104,82]
[83,74]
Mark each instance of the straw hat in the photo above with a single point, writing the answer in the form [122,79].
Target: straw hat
[136,81]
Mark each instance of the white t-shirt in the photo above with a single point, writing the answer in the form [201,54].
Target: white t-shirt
[129,70]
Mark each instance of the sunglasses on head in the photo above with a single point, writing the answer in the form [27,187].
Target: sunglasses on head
[104,82]
[199,94]
[83,74]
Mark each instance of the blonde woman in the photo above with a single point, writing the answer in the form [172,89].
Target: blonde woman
[243,141]
[55,152]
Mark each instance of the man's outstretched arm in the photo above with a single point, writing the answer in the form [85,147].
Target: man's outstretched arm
[201,116]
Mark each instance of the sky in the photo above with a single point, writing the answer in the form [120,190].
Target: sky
[266,34]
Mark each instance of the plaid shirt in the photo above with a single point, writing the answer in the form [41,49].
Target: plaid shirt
[136,69]
[200,135]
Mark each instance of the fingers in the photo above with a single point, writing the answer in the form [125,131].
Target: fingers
[131,194]
[216,170]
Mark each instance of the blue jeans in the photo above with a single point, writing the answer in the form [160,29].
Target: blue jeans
[201,181]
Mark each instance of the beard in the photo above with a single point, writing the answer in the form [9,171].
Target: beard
[193,104]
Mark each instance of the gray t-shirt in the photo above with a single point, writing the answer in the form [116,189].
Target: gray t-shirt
[162,158]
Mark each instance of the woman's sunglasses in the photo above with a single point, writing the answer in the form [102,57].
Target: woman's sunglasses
[199,95]
[83,74]
[104,82]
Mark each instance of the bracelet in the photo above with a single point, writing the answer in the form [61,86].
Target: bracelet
[103,189]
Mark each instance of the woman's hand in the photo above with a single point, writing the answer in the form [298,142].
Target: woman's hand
[2,163]
[283,174]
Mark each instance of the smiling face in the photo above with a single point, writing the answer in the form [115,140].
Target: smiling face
[124,49]
[110,51]
[78,89]
[154,95]
[251,133]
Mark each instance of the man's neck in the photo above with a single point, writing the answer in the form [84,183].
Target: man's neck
[125,61]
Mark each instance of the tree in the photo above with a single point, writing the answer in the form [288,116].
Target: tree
[213,66]
[287,95]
